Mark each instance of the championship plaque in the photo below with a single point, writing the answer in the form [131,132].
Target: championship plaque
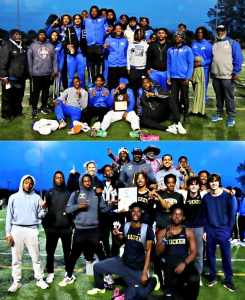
[120,102]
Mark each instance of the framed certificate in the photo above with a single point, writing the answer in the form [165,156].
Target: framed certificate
[127,196]
[120,102]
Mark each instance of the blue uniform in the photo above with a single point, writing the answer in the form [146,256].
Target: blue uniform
[95,31]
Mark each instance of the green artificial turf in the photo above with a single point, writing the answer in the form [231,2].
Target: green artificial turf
[198,129]
[78,289]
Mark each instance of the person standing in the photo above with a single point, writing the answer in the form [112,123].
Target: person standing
[75,45]
[95,34]
[86,205]
[218,221]
[180,65]
[25,209]
[42,64]
[56,223]
[13,69]
[227,62]
[157,58]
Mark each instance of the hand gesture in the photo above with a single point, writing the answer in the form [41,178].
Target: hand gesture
[83,204]
[104,93]
[116,231]
[43,203]
[124,116]
[93,93]
[73,171]
[55,103]
[79,95]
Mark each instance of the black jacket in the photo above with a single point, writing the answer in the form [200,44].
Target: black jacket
[157,59]
[57,199]
[71,38]
[13,61]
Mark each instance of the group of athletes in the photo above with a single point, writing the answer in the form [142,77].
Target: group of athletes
[183,207]
[118,53]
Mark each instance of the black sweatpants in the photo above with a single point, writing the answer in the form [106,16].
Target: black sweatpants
[52,236]
[186,283]
[241,227]
[92,111]
[12,99]
[176,87]
[114,74]
[95,60]
[40,84]
[91,241]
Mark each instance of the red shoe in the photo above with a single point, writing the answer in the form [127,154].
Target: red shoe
[150,137]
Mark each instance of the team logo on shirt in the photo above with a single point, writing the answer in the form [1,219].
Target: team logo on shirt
[194,201]
[44,52]
[82,195]
[134,237]
[176,241]
[130,167]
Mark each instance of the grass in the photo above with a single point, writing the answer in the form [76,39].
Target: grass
[197,129]
[78,289]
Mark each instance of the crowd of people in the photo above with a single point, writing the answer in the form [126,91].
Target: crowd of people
[118,53]
[174,211]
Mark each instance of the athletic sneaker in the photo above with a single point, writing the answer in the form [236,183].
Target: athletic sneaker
[230,122]
[42,284]
[67,280]
[96,125]
[62,124]
[74,130]
[235,242]
[150,137]
[92,132]
[119,297]
[101,133]
[34,114]
[44,110]
[242,244]
[116,293]
[85,127]
[96,291]
[158,285]
[108,278]
[143,132]
[180,128]
[211,282]
[134,134]
[230,286]
[14,287]
[172,129]
[50,278]
[216,118]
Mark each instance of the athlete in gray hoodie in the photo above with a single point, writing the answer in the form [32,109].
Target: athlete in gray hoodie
[86,207]
[42,65]
[25,210]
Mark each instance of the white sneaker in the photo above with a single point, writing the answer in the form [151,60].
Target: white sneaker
[96,126]
[14,287]
[180,128]
[67,280]
[235,242]
[108,279]
[242,244]
[172,129]
[50,278]
[62,124]
[42,284]
[85,127]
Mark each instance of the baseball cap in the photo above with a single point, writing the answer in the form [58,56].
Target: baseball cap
[180,33]
[137,150]
[221,27]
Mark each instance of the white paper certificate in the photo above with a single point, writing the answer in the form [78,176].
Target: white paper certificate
[127,196]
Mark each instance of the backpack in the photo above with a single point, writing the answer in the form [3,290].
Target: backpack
[143,231]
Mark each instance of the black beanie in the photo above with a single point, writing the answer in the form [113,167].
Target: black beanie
[13,31]
[41,31]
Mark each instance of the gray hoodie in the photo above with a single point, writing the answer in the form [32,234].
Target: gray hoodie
[87,218]
[24,209]
[42,59]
